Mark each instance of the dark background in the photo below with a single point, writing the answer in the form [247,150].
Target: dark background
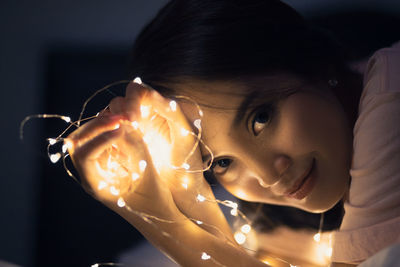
[54,54]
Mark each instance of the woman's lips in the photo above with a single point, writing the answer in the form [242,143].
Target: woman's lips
[304,185]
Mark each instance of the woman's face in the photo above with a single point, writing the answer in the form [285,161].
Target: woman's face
[294,152]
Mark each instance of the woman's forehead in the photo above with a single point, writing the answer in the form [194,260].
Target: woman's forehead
[228,94]
[214,95]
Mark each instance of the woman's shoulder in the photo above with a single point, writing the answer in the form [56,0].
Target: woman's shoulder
[382,72]
[373,206]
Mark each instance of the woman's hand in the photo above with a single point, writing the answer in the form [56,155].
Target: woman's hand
[185,185]
[106,153]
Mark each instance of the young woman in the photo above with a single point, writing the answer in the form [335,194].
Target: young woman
[286,120]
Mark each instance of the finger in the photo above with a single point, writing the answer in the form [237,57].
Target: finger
[116,105]
[92,149]
[94,127]
[170,110]
[150,182]
[133,96]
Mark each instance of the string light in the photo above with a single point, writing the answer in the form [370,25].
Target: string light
[246,228]
[52,141]
[172,105]
[142,165]
[135,176]
[200,198]
[114,191]
[234,212]
[240,238]
[197,123]
[135,125]
[121,202]
[184,132]
[152,139]
[205,256]
[317,237]
[66,119]
[144,111]
[137,80]
[55,157]
[186,166]
[185,182]
[102,185]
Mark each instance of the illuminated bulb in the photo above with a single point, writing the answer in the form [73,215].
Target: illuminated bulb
[102,185]
[234,212]
[114,191]
[197,123]
[137,80]
[95,265]
[184,132]
[231,204]
[135,125]
[67,145]
[328,252]
[142,165]
[145,111]
[241,194]
[64,148]
[66,119]
[317,237]
[199,222]
[147,139]
[245,228]
[240,238]
[205,256]
[185,182]
[112,165]
[135,176]
[200,198]
[52,141]
[201,113]
[55,157]
[121,202]
[186,166]
[172,105]
[116,126]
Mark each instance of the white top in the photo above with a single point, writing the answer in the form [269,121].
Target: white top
[372,212]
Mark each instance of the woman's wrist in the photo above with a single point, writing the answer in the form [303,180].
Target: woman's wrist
[189,245]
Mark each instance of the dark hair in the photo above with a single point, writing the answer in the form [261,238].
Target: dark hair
[221,39]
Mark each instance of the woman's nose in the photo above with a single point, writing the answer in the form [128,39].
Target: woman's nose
[275,169]
[281,164]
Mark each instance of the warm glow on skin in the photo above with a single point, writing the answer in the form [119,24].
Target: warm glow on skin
[306,126]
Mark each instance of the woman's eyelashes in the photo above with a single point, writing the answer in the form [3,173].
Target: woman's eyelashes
[220,166]
[261,118]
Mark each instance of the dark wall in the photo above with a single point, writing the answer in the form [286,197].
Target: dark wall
[29,31]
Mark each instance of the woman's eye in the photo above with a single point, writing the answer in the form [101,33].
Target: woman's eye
[260,120]
[220,166]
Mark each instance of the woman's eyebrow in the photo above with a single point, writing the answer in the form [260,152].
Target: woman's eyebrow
[241,111]
[206,158]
